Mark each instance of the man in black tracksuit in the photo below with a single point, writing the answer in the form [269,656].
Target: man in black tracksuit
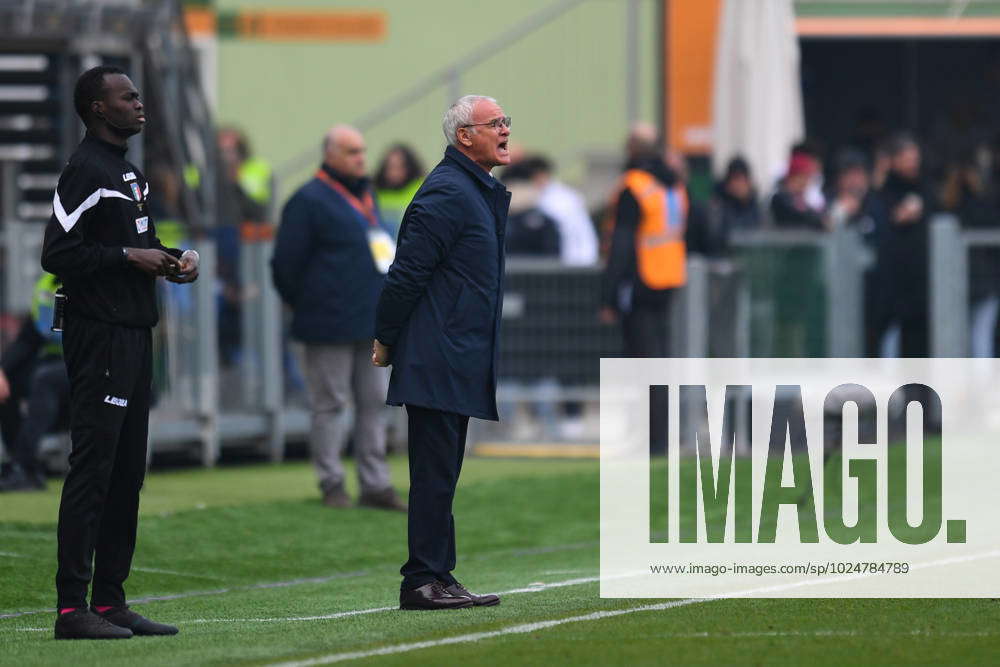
[101,242]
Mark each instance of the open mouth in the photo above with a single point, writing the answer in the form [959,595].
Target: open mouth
[503,145]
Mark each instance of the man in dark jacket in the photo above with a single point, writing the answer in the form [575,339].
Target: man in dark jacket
[733,207]
[438,323]
[102,243]
[329,261]
[902,250]
[530,231]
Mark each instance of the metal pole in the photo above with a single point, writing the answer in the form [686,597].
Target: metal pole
[207,354]
[8,194]
[661,66]
[948,285]
[843,263]
[271,366]
[8,191]
[632,61]
[23,242]
[137,147]
[249,299]
[696,308]
[741,337]
[454,86]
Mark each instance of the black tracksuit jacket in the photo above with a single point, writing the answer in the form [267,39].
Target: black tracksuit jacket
[100,207]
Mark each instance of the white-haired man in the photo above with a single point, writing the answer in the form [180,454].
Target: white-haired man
[438,324]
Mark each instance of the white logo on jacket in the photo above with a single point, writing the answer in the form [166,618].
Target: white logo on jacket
[128,176]
[114,400]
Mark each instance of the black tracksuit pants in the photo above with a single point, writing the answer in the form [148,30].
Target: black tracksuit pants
[110,374]
[437,447]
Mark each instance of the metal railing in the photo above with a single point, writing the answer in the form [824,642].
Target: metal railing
[552,338]
[950,317]
[833,264]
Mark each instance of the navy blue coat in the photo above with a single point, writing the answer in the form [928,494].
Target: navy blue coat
[323,268]
[439,312]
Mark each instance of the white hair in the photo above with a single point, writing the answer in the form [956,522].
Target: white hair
[459,114]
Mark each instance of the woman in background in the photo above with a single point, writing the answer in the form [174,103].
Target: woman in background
[398,178]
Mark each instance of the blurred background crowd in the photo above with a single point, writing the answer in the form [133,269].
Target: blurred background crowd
[831,170]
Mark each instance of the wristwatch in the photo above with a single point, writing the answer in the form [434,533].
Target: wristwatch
[125,254]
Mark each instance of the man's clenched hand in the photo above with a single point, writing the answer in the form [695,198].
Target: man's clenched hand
[380,354]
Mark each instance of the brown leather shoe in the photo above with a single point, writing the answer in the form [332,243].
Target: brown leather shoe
[386,499]
[487,600]
[337,497]
[432,596]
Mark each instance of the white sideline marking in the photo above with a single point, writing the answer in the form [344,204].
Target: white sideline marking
[532,588]
[282,584]
[156,570]
[217,591]
[773,633]
[478,636]
[595,616]
[290,619]
[544,625]
[372,610]
[816,633]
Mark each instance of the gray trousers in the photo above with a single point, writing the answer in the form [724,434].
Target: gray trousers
[333,374]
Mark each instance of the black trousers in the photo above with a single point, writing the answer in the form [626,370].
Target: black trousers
[437,447]
[646,333]
[110,375]
[47,397]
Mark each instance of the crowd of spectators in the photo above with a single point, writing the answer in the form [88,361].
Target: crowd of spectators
[888,194]
[881,188]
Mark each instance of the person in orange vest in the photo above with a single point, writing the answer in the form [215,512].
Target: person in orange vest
[646,260]
[647,253]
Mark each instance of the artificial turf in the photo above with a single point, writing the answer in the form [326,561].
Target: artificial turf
[254,558]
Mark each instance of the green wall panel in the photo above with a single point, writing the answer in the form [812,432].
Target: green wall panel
[564,84]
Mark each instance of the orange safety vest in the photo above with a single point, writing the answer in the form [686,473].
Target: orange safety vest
[659,243]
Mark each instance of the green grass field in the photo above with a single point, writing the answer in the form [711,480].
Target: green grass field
[254,570]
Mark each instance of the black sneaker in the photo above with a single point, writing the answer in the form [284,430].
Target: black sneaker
[84,624]
[17,479]
[138,624]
